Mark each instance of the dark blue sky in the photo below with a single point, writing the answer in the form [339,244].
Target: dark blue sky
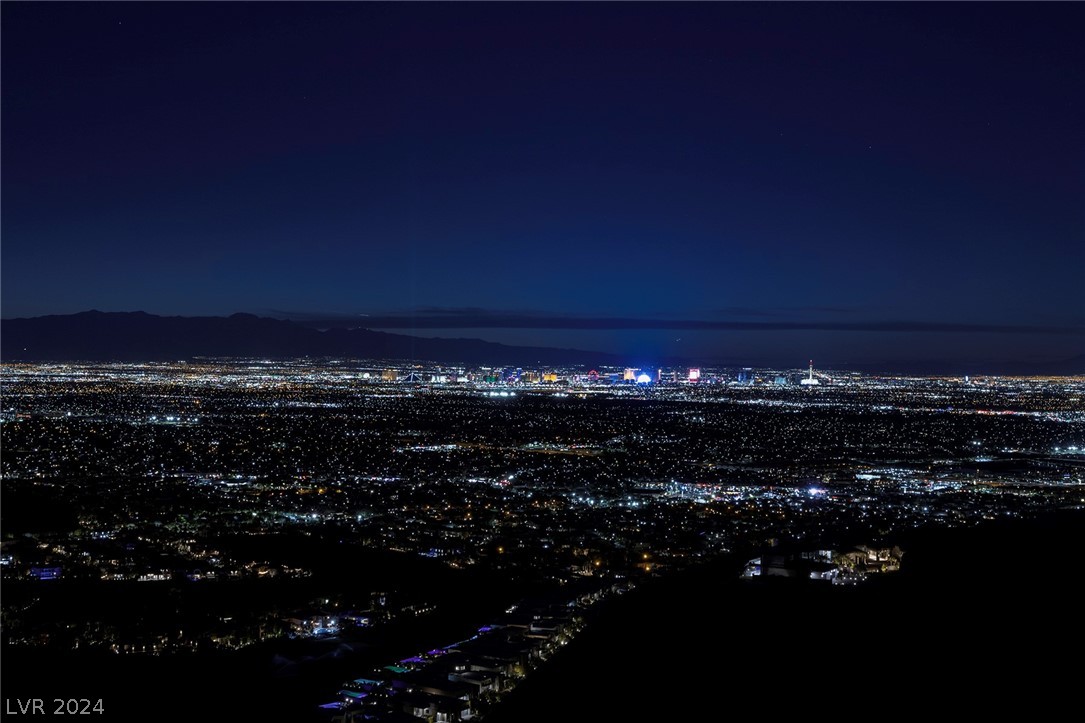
[849,182]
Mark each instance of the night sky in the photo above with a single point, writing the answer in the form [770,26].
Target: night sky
[749,183]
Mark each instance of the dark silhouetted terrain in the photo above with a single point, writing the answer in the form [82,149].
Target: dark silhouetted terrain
[138,336]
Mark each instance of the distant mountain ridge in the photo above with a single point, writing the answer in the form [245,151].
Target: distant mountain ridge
[139,336]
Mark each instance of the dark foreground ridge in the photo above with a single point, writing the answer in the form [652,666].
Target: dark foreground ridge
[977,621]
[138,336]
[980,620]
